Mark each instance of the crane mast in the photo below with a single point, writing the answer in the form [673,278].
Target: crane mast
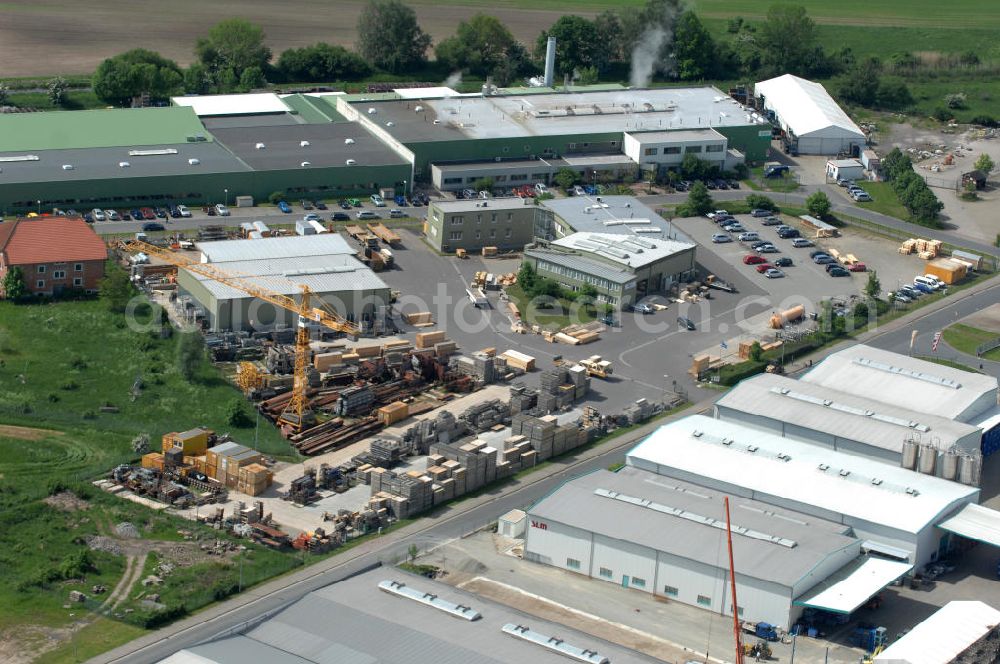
[297,414]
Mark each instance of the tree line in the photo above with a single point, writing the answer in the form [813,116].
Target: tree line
[660,39]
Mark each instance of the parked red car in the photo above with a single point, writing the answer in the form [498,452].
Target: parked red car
[764,267]
[858,267]
[147,213]
[753,259]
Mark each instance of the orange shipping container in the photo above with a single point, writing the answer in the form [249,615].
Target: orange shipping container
[947,270]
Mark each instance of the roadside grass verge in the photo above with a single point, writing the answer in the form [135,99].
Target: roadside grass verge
[965,339]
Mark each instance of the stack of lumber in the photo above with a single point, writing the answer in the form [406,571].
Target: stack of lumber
[418,318]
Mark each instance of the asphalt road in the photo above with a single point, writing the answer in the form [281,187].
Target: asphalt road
[469,515]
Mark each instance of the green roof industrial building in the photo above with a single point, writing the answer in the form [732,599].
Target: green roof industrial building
[327,145]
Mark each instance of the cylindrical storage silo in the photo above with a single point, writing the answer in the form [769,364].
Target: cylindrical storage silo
[949,465]
[909,460]
[927,459]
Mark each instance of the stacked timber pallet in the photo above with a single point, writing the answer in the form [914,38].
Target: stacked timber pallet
[545,435]
[522,398]
[392,413]
[519,360]
[486,415]
[355,399]
[581,333]
[483,367]
[419,319]
[437,341]
[561,387]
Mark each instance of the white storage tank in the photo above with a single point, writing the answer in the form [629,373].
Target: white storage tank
[949,465]
[909,460]
[927,459]
[969,469]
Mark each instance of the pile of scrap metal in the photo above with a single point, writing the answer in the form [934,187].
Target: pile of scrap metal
[317,541]
[164,486]
[249,522]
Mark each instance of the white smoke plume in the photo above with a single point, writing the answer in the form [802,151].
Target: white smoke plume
[646,54]
[454,80]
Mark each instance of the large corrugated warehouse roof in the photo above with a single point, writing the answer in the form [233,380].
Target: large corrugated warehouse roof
[62,130]
[945,635]
[804,106]
[322,274]
[842,414]
[271,248]
[354,622]
[327,146]
[546,114]
[919,385]
[688,521]
[815,477]
[106,163]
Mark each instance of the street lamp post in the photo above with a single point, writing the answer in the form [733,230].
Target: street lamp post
[226,197]
[39,206]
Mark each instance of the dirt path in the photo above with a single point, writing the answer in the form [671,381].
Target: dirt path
[134,565]
[27,433]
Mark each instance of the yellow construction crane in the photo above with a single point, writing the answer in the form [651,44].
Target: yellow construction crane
[297,413]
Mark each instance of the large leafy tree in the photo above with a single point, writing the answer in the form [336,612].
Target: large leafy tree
[694,48]
[818,204]
[13,283]
[132,73]
[787,40]
[232,47]
[322,62]
[577,45]
[390,38]
[480,46]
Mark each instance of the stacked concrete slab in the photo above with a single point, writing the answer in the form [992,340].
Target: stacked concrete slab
[484,367]
[486,415]
[560,387]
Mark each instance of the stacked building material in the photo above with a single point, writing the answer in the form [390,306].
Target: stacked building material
[442,429]
[409,493]
[386,453]
[253,479]
[640,411]
[545,435]
[580,380]
[325,361]
[486,415]
[392,413]
[484,367]
[223,462]
[418,318]
[426,340]
[519,360]
[354,400]
[522,398]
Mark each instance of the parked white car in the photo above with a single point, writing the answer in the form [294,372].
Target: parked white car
[184,211]
[97,214]
[221,210]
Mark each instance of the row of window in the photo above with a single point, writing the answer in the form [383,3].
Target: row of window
[61,274]
[77,281]
[638,582]
[690,149]
[577,275]
[457,235]
[458,220]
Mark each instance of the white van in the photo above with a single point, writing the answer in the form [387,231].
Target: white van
[930,281]
[940,284]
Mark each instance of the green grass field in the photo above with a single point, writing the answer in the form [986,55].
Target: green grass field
[60,363]
[965,339]
[63,361]
[884,200]
[563,312]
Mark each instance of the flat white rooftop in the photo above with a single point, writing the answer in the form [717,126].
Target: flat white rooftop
[634,252]
[245,104]
[271,248]
[585,112]
[843,414]
[919,385]
[761,463]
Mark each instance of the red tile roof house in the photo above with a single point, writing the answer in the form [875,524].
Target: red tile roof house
[55,254]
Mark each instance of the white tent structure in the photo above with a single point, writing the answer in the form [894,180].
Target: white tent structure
[807,112]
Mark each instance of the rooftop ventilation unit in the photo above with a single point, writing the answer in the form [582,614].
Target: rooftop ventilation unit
[151,153]
[429,599]
[390,124]
[350,162]
[306,164]
[20,157]
[372,111]
[824,467]
[918,375]
[844,473]
[696,433]
[554,644]
[67,167]
[348,141]
[193,161]
[303,144]
[418,109]
[259,146]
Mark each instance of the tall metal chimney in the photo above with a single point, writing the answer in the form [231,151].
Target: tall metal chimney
[550,63]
